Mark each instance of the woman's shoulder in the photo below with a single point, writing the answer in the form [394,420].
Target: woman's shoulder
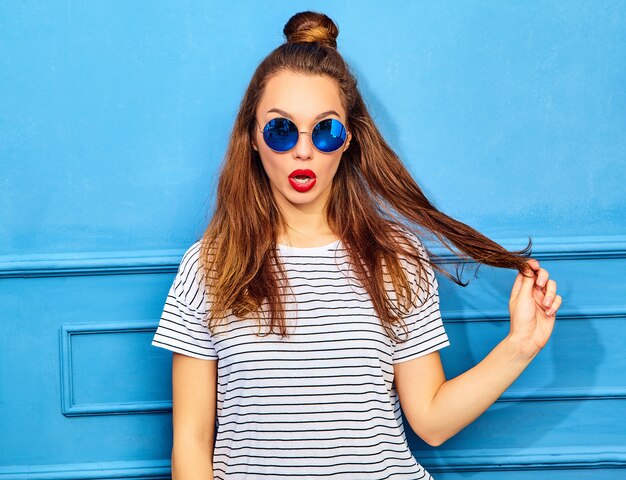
[190,258]
[420,272]
[189,278]
[402,234]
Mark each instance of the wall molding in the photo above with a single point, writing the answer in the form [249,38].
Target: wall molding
[88,471]
[568,313]
[69,407]
[447,461]
[166,261]
[528,459]
[550,394]
[90,263]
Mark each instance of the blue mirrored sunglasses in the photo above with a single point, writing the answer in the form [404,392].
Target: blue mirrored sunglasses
[281,134]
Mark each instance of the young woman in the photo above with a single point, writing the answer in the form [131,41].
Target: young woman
[306,319]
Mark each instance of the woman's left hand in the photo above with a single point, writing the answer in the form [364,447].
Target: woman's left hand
[533,306]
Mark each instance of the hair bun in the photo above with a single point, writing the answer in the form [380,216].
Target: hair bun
[311,27]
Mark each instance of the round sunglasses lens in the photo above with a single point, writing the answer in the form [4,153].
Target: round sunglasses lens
[329,135]
[280,134]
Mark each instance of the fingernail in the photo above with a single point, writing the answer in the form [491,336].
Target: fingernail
[546,301]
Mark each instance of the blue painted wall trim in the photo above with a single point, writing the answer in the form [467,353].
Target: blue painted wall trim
[164,261]
[70,407]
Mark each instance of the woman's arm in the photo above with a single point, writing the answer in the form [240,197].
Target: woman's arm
[437,409]
[194,398]
[457,402]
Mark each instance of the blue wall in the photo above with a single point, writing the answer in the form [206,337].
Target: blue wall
[114,118]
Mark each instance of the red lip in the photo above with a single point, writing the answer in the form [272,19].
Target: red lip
[306,173]
[305,186]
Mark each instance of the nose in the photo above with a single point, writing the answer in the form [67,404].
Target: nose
[304,145]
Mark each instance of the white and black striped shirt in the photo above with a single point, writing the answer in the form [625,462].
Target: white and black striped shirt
[322,402]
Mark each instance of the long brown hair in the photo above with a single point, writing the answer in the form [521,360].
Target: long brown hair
[372,195]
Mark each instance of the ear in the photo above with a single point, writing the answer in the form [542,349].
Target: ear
[348,138]
[254,147]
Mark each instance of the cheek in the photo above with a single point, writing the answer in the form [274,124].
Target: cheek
[333,166]
[271,165]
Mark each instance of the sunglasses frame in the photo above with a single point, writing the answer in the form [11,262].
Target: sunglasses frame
[262,130]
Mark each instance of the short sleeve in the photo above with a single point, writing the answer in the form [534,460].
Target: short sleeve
[426,332]
[180,328]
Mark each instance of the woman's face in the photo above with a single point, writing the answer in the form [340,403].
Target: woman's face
[301,98]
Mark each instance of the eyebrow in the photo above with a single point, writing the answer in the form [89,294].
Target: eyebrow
[285,114]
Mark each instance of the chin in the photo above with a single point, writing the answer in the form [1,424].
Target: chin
[300,198]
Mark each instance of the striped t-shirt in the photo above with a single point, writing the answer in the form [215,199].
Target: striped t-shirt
[322,402]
